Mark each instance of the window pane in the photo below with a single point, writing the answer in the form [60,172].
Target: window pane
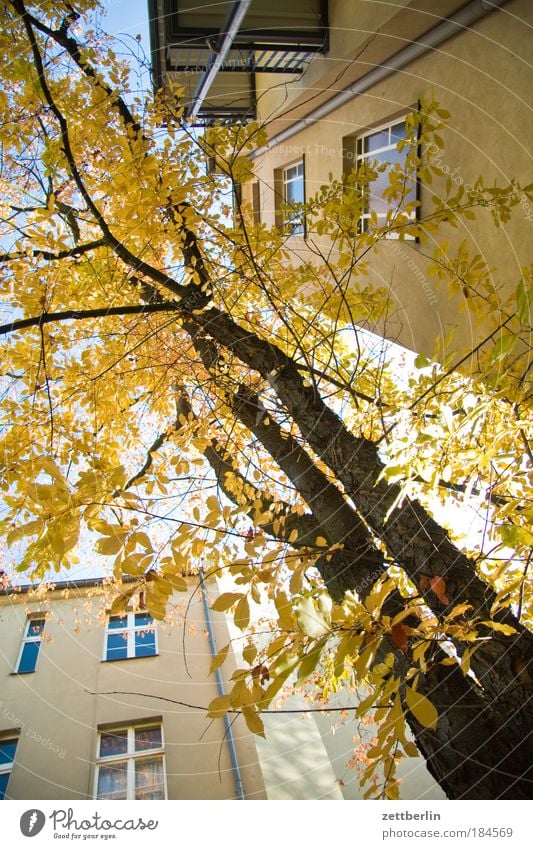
[294,172]
[117,646]
[28,658]
[7,751]
[149,779]
[397,132]
[35,627]
[294,191]
[376,140]
[4,779]
[148,738]
[144,643]
[118,622]
[113,781]
[143,619]
[376,188]
[294,225]
[113,743]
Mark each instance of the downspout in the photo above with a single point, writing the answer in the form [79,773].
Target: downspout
[230,29]
[237,779]
[465,17]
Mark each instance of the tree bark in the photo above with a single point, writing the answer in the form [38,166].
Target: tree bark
[469,753]
[416,542]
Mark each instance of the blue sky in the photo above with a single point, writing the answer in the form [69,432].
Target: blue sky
[129,17]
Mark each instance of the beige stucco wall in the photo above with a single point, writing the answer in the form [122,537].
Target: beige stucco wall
[352,49]
[483,79]
[58,710]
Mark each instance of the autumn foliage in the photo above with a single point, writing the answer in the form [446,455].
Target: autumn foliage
[179,392]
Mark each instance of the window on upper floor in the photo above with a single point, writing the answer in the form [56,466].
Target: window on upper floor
[130,635]
[31,644]
[8,746]
[378,148]
[130,762]
[289,185]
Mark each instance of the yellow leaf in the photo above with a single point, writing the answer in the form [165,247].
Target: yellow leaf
[49,466]
[136,564]
[178,583]
[225,601]
[219,659]
[198,547]
[242,614]
[157,611]
[310,660]
[296,581]
[366,703]
[109,545]
[458,610]
[253,721]
[392,791]
[212,504]
[309,619]
[421,708]
[363,662]
[321,542]
[249,653]
[293,536]
[499,626]
[120,604]
[218,707]
[284,608]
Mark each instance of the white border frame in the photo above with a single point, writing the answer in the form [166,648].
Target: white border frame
[130,630]
[362,157]
[7,768]
[286,204]
[130,756]
[27,639]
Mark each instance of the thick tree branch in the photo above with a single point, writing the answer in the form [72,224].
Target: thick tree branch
[191,297]
[80,315]
[72,253]
[61,37]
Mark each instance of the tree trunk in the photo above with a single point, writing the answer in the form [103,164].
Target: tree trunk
[472,759]
[472,753]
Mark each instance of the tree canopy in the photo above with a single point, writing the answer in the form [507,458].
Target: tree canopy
[181,392]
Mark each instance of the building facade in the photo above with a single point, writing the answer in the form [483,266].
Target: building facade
[347,102]
[78,713]
[95,705]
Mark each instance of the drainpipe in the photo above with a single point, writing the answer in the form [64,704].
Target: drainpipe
[230,29]
[461,20]
[237,780]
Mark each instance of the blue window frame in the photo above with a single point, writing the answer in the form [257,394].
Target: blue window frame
[130,635]
[8,748]
[31,644]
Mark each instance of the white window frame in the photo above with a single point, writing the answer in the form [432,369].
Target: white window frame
[7,768]
[296,226]
[131,756]
[28,638]
[372,156]
[130,630]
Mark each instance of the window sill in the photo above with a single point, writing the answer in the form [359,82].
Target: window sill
[122,659]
